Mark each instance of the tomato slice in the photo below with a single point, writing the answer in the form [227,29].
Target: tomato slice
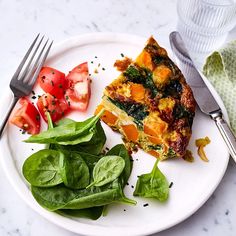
[56,107]
[79,91]
[26,117]
[53,81]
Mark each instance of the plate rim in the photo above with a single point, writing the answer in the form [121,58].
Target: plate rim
[67,223]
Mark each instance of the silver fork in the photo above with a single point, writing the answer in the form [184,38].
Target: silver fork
[26,74]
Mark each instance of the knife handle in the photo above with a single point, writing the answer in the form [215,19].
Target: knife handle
[226,133]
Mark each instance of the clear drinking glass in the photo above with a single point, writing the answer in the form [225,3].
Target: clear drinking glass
[204,24]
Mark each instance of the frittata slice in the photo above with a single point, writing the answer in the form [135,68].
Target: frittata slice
[151,104]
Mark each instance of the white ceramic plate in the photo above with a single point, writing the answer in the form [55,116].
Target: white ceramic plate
[193,183]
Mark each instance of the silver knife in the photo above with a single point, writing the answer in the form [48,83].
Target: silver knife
[202,94]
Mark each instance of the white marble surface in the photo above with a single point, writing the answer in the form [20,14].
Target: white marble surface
[20,20]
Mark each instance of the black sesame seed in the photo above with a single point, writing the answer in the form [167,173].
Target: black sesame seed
[132,186]
[171,184]
[122,54]
[145,205]
[33,92]
[33,97]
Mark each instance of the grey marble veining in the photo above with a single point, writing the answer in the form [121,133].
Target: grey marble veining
[21,20]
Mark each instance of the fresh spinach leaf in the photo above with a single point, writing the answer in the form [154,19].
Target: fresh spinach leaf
[53,198]
[95,145]
[42,168]
[92,213]
[68,134]
[152,185]
[90,159]
[80,139]
[76,167]
[107,169]
[99,196]
[74,171]
[120,150]
[61,197]
[93,199]
[65,121]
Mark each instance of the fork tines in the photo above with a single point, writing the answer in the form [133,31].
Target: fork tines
[33,61]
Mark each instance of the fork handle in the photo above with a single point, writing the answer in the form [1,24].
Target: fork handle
[3,124]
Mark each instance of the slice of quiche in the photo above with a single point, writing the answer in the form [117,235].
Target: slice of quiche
[150,104]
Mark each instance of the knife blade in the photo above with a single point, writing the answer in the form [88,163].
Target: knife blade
[201,92]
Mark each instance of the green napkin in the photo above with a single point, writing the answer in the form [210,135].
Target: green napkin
[220,69]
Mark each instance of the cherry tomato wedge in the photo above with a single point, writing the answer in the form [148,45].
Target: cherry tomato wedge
[56,107]
[52,81]
[26,117]
[78,74]
[78,97]
[78,93]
